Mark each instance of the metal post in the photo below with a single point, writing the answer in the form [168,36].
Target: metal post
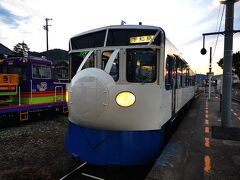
[47,32]
[46,28]
[19,96]
[210,75]
[227,66]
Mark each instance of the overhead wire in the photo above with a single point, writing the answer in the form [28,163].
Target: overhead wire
[219,27]
[24,8]
[219,9]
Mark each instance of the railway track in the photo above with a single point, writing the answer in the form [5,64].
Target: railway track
[92,172]
[81,173]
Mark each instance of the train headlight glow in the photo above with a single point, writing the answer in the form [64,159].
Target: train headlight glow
[125,99]
[67,95]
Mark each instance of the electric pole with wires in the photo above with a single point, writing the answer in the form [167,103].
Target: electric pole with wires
[226,121]
[46,28]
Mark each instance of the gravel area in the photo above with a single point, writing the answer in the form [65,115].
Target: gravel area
[35,149]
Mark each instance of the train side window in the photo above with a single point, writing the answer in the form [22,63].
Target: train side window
[45,72]
[36,71]
[141,65]
[187,80]
[178,73]
[182,74]
[185,75]
[41,72]
[114,72]
[194,80]
[169,73]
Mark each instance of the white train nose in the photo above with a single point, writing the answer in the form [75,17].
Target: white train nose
[89,96]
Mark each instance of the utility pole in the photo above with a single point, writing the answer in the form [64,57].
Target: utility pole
[226,120]
[210,75]
[46,28]
[226,102]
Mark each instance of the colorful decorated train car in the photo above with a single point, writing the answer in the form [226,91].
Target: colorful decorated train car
[27,85]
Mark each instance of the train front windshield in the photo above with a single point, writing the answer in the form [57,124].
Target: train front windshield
[133,49]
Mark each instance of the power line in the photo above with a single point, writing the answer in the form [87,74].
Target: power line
[24,8]
[219,9]
[220,24]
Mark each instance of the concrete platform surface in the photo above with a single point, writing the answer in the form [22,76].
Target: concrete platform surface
[192,152]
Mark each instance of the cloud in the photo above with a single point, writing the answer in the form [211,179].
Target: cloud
[192,41]
[209,18]
[12,20]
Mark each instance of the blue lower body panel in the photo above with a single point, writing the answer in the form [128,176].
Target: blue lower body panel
[122,148]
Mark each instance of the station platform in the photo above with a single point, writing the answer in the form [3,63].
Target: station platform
[195,152]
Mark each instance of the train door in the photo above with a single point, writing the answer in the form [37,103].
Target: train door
[171,81]
[174,86]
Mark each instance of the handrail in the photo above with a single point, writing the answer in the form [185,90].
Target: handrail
[31,89]
[19,96]
[56,92]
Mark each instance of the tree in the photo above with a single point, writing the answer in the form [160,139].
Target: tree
[20,47]
[235,63]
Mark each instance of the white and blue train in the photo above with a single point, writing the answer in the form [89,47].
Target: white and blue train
[128,84]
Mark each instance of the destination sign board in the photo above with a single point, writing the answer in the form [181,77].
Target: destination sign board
[141,39]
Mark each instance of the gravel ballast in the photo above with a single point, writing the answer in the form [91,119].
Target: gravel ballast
[35,149]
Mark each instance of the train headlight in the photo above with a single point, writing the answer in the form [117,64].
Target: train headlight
[125,99]
[67,95]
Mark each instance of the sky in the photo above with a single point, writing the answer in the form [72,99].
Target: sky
[184,22]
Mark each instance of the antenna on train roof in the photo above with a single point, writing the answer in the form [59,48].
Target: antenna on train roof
[123,22]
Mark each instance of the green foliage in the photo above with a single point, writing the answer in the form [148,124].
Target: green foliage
[20,47]
[235,63]
[54,55]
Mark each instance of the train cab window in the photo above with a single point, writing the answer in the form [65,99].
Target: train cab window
[41,72]
[90,62]
[141,65]
[75,61]
[114,72]
[20,70]
[4,70]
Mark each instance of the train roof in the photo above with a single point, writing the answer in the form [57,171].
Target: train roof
[173,48]
[120,27]
[30,59]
